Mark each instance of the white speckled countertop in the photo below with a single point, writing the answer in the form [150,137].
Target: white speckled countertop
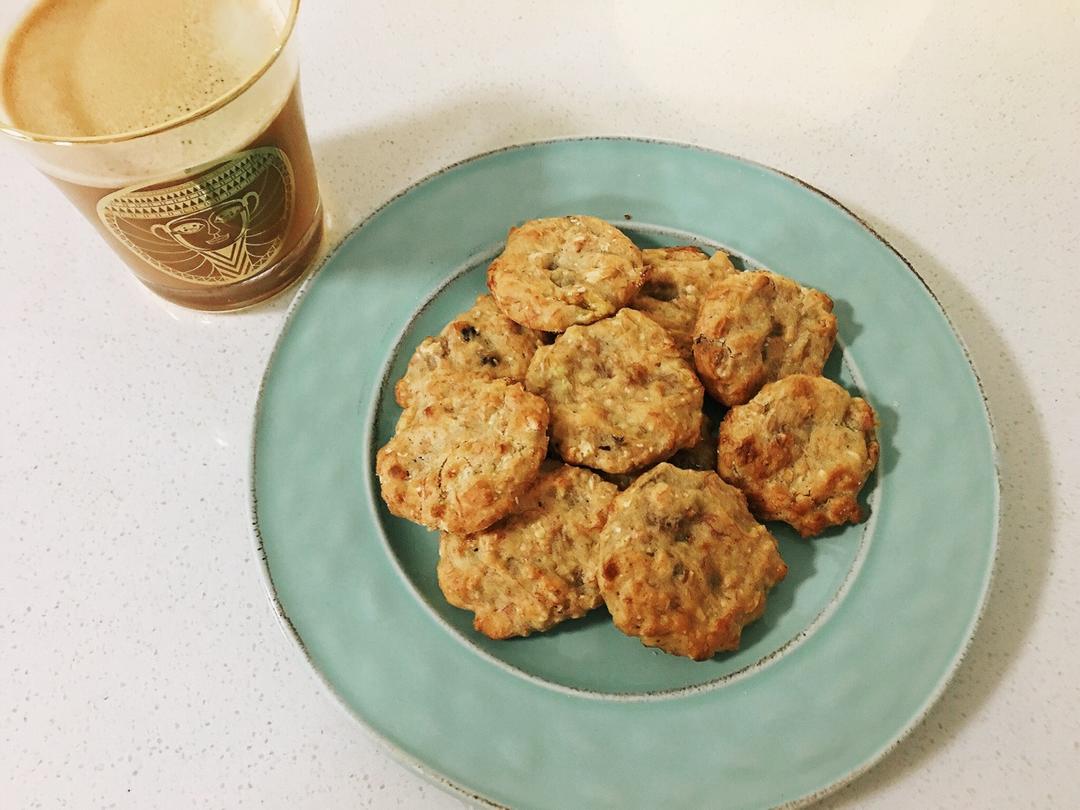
[141,665]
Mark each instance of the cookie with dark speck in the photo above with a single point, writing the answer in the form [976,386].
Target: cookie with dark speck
[801,450]
[683,564]
[480,341]
[537,566]
[620,395]
[678,278]
[756,327]
[557,272]
[464,451]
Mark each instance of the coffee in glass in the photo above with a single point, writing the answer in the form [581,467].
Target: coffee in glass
[177,129]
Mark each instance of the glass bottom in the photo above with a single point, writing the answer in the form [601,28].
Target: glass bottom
[243,294]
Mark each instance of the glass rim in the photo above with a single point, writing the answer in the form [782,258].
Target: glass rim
[173,123]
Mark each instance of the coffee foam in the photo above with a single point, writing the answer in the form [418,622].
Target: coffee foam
[105,67]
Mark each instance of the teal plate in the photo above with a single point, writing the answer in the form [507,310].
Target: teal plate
[857,642]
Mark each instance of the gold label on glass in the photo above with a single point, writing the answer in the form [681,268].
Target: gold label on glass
[222,224]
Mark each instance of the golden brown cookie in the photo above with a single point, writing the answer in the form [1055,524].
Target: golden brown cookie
[801,450]
[683,564]
[619,394]
[464,451]
[756,327]
[537,566]
[677,278]
[480,341]
[562,271]
[702,456]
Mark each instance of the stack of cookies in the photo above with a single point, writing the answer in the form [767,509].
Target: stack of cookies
[554,434]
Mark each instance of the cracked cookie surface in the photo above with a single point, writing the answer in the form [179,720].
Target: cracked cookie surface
[463,452]
[756,327]
[537,566]
[480,341]
[561,271]
[620,395]
[801,450]
[702,456]
[677,279]
[684,566]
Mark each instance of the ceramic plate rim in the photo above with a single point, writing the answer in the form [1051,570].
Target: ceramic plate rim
[418,765]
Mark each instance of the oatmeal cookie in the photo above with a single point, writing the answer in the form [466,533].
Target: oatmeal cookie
[562,271]
[756,327]
[480,341]
[683,564]
[537,566]
[619,394]
[702,456]
[801,450]
[677,278]
[463,453]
